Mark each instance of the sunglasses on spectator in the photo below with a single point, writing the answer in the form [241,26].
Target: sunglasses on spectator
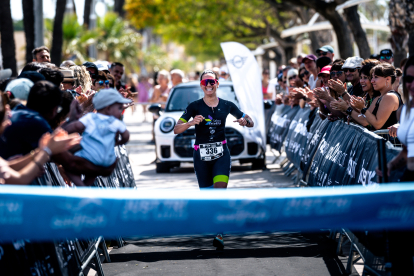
[102,82]
[208,81]
[322,53]
[385,57]
[338,74]
[304,74]
[408,79]
[350,70]
[292,77]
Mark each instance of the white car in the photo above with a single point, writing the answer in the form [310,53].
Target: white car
[173,149]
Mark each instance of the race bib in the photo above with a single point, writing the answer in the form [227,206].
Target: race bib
[211,151]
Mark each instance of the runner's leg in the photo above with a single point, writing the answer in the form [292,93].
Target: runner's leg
[221,169]
[203,171]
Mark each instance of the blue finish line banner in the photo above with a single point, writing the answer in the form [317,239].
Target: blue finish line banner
[49,213]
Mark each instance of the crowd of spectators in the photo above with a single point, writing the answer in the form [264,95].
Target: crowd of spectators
[45,109]
[371,92]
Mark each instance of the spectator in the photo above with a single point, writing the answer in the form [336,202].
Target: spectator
[365,79]
[310,65]
[100,82]
[42,106]
[102,66]
[52,75]
[41,54]
[177,77]
[265,84]
[112,80]
[299,60]
[162,90]
[82,78]
[337,84]
[31,75]
[24,170]
[224,73]
[100,133]
[34,66]
[117,70]
[62,115]
[68,82]
[382,113]
[351,69]
[374,56]
[293,63]
[402,63]
[304,75]
[325,75]
[19,89]
[67,64]
[320,63]
[406,129]
[387,56]
[216,71]
[396,86]
[326,51]
[144,90]
[92,69]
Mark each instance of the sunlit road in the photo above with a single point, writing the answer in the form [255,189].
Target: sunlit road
[252,254]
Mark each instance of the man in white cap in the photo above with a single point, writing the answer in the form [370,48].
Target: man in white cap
[351,69]
[224,73]
[100,131]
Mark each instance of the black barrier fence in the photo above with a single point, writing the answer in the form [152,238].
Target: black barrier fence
[336,153]
[68,257]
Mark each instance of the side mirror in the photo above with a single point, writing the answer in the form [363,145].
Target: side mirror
[155,108]
[267,104]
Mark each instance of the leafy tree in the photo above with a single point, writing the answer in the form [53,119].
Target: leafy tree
[155,59]
[202,25]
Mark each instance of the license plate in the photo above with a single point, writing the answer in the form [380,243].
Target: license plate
[211,151]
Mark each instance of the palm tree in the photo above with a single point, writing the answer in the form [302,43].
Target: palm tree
[29,30]
[118,41]
[8,48]
[87,13]
[56,52]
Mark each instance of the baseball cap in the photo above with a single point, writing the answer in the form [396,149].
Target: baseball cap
[20,88]
[386,53]
[325,70]
[325,48]
[353,62]
[88,64]
[31,75]
[68,75]
[224,69]
[102,65]
[311,57]
[5,74]
[106,97]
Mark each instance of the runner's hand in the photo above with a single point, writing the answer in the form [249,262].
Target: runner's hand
[197,120]
[241,121]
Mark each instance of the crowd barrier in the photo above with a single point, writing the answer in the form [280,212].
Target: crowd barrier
[64,255]
[326,153]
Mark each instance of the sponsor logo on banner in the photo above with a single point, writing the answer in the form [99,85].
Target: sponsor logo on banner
[237,61]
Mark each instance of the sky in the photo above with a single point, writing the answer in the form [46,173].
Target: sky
[49,7]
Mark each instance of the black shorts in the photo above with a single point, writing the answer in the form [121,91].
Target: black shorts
[210,172]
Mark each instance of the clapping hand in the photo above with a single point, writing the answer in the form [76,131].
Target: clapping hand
[321,94]
[59,141]
[357,102]
[340,105]
[338,86]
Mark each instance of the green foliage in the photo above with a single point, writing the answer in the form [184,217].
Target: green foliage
[18,25]
[155,58]
[201,25]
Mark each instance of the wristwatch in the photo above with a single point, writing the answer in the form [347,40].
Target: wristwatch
[349,111]
[364,110]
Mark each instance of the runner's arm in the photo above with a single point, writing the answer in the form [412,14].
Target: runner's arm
[182,126]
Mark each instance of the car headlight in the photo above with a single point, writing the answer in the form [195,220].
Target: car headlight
[167,124]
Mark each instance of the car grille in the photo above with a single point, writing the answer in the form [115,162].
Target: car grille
[183,148]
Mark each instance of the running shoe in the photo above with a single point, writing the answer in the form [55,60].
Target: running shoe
[218,242]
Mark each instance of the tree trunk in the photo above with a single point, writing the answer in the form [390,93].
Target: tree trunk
[56,52]
[343,34]
[410,43]
[119,7]
[360,37]
[29,30]
[87,13]
[8,48]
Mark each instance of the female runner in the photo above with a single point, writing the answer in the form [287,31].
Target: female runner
[212,161]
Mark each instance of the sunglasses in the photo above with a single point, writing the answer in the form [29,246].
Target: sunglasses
[346,70]
[208,81]
[304,74]
[292,77]
[102,82]
[408,79]
[322,54]
[338,74]
[385,57]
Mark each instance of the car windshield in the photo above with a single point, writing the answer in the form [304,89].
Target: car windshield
[183,96]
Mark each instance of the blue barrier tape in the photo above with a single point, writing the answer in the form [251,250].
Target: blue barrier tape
[46,213]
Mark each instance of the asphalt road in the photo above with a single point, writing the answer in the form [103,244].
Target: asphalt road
[248,254]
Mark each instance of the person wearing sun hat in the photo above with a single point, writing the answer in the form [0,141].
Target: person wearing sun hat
[351,69]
